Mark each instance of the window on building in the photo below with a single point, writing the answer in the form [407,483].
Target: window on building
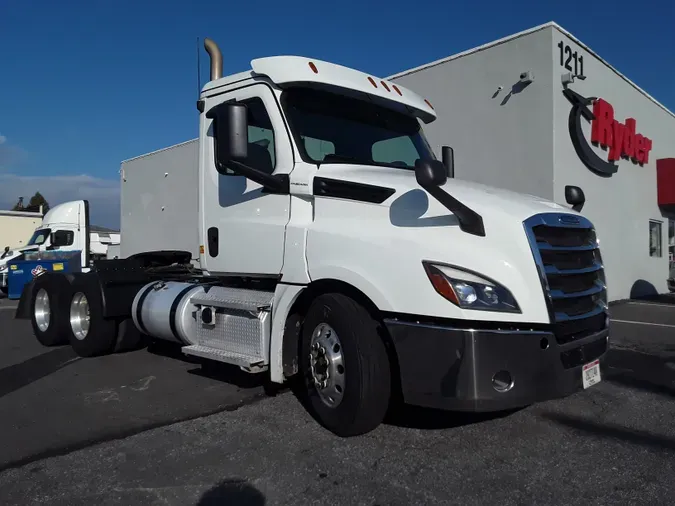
[671,240]
[655,239]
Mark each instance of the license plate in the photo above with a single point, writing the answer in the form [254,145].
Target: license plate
[591,374]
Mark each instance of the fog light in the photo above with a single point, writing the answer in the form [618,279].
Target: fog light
[502,381]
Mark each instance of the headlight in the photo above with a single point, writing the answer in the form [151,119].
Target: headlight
[469,290]
[3,268]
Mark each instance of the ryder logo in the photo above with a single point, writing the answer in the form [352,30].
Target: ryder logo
[621,140]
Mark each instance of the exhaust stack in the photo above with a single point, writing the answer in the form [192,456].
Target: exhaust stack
[216,58]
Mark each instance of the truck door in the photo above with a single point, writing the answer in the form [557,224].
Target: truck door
[244,226]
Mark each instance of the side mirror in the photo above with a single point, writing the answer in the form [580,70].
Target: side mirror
[430,173]
[60,238]
[575,197]
[230,130]
[448,156]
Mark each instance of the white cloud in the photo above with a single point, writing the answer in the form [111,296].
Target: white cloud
[103,194]
[3,139]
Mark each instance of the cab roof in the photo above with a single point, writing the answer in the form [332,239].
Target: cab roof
[289,70]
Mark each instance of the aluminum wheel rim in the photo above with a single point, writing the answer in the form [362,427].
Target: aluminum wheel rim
[42,310]
[79,316]
[326,363]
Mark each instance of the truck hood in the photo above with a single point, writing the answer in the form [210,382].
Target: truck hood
[379,247]
[485,200]
[15,252]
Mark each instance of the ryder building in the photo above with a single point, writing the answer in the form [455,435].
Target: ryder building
[539,110]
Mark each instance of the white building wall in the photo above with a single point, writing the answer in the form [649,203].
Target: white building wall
[620,206]
[521,141]
[16,228]
[500,137]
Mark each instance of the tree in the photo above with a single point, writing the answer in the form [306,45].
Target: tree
[33,204]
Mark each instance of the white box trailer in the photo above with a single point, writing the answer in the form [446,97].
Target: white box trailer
[310,232]
[65,227]
[159,203]
[519,113]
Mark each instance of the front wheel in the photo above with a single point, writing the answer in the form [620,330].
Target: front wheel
[345,365]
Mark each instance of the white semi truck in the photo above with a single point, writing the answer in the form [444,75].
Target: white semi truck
[311,233]
[65,227]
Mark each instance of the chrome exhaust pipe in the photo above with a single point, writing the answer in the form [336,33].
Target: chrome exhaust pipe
[216,58]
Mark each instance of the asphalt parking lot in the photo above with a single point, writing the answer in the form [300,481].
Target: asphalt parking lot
[149,428]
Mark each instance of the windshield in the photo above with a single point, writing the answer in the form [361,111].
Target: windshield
[331,128]
[39,236]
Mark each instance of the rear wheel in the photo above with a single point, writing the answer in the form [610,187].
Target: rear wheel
[345,366]
[89,333]
[49,309]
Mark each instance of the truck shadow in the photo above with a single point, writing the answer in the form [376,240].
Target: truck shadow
[612,431]
[216,371]
[641,370]
[17,376]
[651,371]
[415,417]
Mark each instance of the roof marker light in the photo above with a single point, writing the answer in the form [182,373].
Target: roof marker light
[428,103]
[313,67]
[396,89]
[385,85]
[372,81]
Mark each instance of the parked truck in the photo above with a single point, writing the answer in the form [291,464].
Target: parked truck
[65,227]
[310,232]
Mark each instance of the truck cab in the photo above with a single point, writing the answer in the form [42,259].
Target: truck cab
[65,227]
[334,247]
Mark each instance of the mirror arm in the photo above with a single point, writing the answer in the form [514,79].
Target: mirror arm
[277,184]
[469,220]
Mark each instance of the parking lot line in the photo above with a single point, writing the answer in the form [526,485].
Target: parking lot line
[654,304]
[642,323]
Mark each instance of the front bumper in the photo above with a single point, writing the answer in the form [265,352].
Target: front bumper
[3,279]
[451,368]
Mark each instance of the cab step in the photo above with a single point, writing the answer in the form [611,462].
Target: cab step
[235,298]
[247,363]
[232,325]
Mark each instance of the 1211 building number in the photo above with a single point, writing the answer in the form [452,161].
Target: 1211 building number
[569,58]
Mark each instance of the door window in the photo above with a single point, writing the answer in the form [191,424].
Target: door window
[261,145]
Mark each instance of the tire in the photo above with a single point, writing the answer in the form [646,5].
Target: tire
[4,290]
[89,333]
[49,304]
[366,377]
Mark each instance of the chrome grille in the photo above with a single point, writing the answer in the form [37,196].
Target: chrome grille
[567,254]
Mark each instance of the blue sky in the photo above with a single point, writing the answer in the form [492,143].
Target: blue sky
[85,85]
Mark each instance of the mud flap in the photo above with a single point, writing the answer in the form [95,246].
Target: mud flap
[23,309]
